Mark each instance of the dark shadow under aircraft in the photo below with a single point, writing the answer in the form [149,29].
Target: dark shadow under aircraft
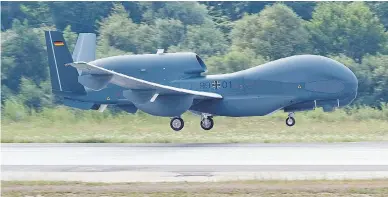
[169,84]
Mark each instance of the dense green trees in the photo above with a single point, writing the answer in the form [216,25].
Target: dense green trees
[230,36]
[190,13]
[117,32]
[169,32]
[234,60]
[22,55]
[377,66]
[380,8]
[205,40]
[274,33]
[348,28]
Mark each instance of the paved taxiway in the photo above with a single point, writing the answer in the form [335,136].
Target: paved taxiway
[193,162]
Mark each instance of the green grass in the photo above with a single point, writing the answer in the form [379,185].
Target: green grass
[64,125]
[322,188]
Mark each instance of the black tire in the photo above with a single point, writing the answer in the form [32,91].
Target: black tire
[210,126]
[177,127]
[290,121]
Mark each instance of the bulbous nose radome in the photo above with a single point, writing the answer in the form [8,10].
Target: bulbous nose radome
[351,86]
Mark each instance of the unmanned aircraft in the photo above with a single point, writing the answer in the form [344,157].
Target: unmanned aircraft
[169,84]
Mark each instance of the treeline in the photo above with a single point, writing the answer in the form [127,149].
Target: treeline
[229,36]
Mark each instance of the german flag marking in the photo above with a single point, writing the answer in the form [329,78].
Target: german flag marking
[59,43]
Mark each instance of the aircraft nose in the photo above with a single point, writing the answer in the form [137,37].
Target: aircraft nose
[351,86]
[352,82]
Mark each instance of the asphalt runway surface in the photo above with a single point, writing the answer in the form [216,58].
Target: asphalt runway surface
[194,162]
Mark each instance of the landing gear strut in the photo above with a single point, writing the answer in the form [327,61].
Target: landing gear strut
[177,123]
[207,122]
[290,121]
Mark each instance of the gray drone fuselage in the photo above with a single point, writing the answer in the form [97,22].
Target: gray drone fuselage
[169,84]
[295,83]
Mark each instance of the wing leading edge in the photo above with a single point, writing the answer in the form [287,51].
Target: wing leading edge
[135,83]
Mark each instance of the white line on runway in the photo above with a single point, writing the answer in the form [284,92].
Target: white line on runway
[355,154]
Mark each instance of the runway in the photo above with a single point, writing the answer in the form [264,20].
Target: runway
[194,162]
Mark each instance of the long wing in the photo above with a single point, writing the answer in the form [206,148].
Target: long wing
[135,83]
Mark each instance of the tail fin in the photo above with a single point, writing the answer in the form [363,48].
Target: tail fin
[85,49]
[64,79]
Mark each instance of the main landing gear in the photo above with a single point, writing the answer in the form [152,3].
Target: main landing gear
[207,122]
[177,123]
[290,121]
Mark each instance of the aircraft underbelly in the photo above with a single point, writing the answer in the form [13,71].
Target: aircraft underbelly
[244,106]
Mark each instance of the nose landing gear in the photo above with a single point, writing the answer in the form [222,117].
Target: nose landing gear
[290,121]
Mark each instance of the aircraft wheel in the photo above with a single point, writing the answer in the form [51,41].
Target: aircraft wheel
[290,121]
[207,123]
[177,124]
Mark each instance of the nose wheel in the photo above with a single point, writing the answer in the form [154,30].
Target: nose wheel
[290,121]
[207,123]
[177,124]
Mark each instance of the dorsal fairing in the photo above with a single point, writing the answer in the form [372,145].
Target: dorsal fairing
[178,65]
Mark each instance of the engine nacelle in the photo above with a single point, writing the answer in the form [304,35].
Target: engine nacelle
[167,105]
